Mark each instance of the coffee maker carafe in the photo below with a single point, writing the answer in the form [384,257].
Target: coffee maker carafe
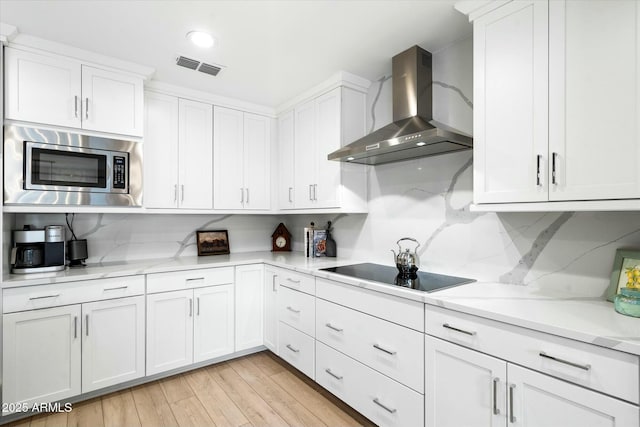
[38,250]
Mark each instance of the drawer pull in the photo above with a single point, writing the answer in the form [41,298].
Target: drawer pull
[194,279]
[295,350]
[330,326]
[293,310]
[462,331]
[566,362]
[377,347]
[385,407]
[116,289]
[293,281]
[328,371]
[46,296]
[496,411]
[512,417]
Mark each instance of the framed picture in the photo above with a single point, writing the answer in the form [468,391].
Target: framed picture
[625,272]
[212,242]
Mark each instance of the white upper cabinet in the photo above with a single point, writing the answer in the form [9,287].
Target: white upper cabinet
[178,153]
[510,95]
[241,160]
[557,102]
[594,99]
[58,91]
[307,135]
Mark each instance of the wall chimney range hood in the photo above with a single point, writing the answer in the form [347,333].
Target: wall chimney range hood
[413,133]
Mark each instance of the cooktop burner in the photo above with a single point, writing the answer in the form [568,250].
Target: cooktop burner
[422,281]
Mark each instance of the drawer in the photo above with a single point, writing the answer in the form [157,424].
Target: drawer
[297,309]
[44,296]
[297,348]
[379,398]
[189,279]
[609,371]
[298,281]
[391,349]
[394,309]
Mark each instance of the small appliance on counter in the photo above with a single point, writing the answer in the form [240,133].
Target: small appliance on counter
[76,248]
[38,250]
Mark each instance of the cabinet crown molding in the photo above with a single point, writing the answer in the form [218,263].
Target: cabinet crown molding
[476,8]
[7,33]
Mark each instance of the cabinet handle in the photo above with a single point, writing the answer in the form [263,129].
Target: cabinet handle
[293,310]
[310,192]
[175,193]
[496,411]
[115,289]
[45,296]
[86,109]
[290,200]
[586,367]
[181,193]
[247,194]
[315,192]
[190,307]
[273,283]
[198,306]
[295,350]
[297,282]
[242,196]
[453,328]
[330,326]
[377,347]
[194,279]
[538,162]
[86,321]
[512,417]
[554,158]
[75,106]
[383,406]
[75,327]
[328,371]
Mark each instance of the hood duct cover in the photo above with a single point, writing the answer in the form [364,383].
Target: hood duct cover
[413,133]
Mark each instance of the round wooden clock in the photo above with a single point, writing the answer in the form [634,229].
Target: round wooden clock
[281,239]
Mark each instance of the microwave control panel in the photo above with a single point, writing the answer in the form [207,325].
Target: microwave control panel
[119,172]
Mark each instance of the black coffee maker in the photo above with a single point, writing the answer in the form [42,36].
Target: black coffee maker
[38,250]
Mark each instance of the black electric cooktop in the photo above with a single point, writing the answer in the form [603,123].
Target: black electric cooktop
[421,281]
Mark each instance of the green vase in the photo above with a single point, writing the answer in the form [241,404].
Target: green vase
[627,302]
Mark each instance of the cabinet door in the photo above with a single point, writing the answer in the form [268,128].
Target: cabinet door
[540,400]
[304,154]
[594,102]
[41,355]
[42,89]
[112,102]
[213,322]
[195,154]
[510,79]
[257,161]
[271,309]
[459,378]
[112,342]
[249,306]
[286,161]
[228,155]
[328,139]
[169,330]
[161,151]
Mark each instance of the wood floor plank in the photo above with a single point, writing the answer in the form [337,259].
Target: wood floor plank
[250,403]
[86,414]
[267,364]
[56,419]
[285,405]
[119,409]
[176,388]
[314,401]
[189,412]
[20,423]
[153,407]
[222,410]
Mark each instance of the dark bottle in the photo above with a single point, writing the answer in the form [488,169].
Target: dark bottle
[331,244]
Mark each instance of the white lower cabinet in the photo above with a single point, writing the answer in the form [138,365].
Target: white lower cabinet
[213,322]
[249,306]
[376,396]
[270,308]
[41,355]
[297,348]
[112,342]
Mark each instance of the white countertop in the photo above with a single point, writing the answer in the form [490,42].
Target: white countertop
[590,320]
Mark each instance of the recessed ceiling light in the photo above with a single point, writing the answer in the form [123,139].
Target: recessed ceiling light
[420,144]
[201,38]
[350,158]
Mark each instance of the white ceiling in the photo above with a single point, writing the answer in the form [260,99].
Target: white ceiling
[273,50]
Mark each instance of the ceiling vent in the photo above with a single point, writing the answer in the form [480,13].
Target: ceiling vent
[192,64]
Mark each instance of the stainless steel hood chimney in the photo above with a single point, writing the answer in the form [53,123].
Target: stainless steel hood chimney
[413,133]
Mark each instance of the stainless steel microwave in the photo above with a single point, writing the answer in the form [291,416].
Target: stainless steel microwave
[47,167]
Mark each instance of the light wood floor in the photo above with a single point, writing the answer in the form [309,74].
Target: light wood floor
[255,390]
